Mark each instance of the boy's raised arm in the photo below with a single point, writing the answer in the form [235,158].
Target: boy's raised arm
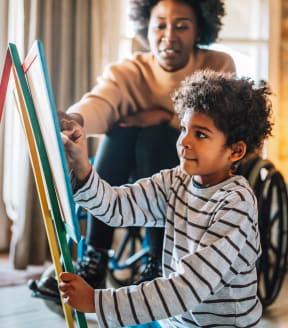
[143,203]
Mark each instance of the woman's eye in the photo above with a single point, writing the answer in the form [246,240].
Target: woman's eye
[181,27]
[160,26]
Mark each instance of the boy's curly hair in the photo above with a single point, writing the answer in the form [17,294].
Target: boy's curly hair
[238,108]
[208,12]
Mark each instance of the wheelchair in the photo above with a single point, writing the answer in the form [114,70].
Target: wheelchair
[269,186]
[270,189]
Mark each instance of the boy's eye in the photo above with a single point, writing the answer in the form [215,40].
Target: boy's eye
[200,134]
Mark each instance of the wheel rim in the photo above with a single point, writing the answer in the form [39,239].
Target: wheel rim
[272,203]
[125,264]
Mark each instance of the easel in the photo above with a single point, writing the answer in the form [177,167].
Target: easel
[51,209]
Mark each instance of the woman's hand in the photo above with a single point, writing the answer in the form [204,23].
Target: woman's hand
[76,292]
[75,145]
[147,118]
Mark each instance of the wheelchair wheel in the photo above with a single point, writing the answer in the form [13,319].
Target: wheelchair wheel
[126,262]
[258,173]
[247,166]
[270,190]
[273,225]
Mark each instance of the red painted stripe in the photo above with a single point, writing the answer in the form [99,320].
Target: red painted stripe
[4,81]
[32,55]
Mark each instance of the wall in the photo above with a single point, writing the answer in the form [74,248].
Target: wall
[277,146]
[283,90]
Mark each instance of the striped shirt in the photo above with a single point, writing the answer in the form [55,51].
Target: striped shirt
[210,248]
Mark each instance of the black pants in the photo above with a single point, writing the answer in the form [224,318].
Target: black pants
[128,154]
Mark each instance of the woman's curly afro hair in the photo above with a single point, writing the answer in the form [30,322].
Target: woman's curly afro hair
[238,108]
[208,12]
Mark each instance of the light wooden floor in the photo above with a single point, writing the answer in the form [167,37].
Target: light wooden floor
[19,310]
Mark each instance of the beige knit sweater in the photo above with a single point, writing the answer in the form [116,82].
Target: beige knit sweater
[140,84]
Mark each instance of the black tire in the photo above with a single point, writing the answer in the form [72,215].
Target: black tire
[273,225]
[270,190]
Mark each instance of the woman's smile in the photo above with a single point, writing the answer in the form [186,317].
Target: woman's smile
[169,53]
[169,50]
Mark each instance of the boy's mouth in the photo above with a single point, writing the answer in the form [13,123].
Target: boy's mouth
[189,159]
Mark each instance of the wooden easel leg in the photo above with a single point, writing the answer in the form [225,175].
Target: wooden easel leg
[52,240]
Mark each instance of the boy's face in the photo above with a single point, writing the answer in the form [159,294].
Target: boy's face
[202,150]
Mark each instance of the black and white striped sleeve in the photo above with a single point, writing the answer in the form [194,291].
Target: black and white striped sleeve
[139,204]
[227,248]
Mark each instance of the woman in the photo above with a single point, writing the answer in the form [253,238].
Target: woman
[131,105]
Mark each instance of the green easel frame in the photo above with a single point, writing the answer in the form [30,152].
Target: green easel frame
[13,60]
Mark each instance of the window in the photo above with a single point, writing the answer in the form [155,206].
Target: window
[126,31]
[245,36]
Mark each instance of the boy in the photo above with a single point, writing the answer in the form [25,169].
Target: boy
[211,239]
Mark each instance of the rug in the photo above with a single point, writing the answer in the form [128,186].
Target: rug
[11,277]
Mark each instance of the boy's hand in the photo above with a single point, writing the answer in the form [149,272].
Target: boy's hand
[76,292]
[75,145]
[70,117]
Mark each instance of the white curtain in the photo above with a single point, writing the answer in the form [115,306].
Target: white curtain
[11,14]
[79,37]
[4,223]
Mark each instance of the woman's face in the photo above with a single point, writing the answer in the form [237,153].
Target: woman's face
[172,33]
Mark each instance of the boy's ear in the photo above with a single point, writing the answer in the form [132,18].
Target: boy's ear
[238,151]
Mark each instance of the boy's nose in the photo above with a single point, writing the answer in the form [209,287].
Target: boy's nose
[185,144]
[185,141]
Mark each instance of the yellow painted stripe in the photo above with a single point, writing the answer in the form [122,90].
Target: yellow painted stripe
[42,195]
